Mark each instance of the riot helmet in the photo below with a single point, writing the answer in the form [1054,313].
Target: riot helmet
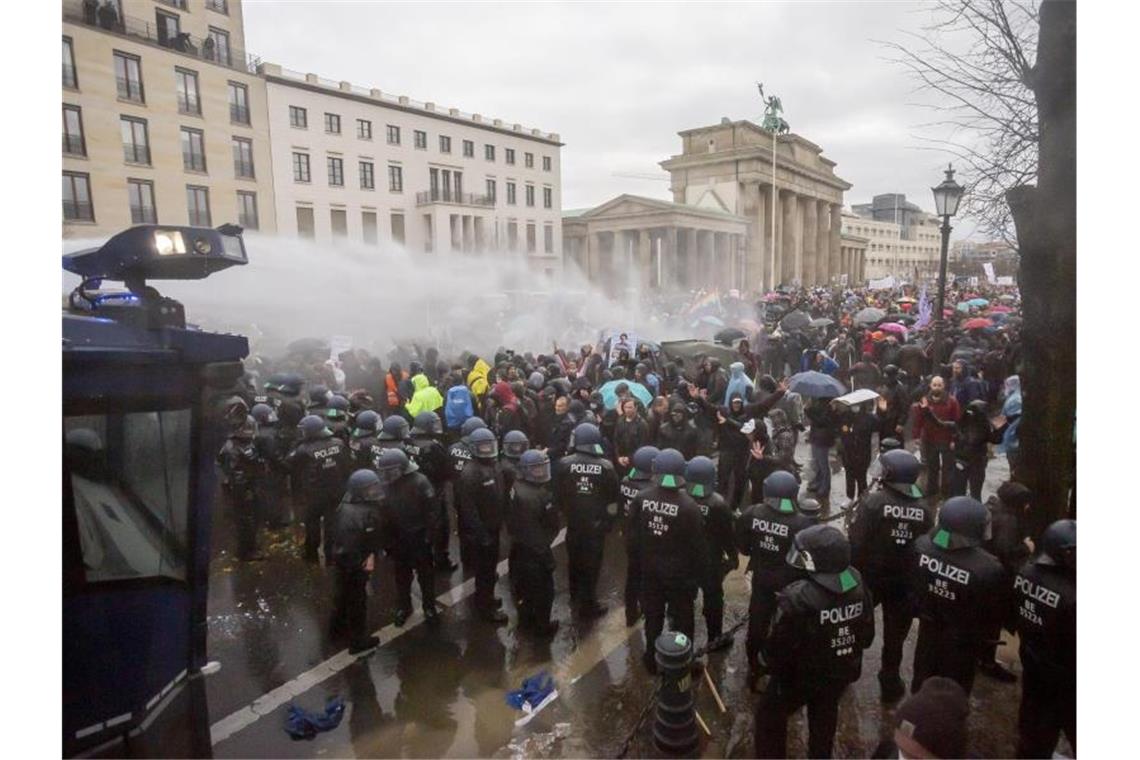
[247,431]
[427,423]
[395,428]
[534,466]
[264,414]
[483,444]
[900,472]
[889,444]
[392,464]
[337,408]
[470,425]
[810,508]
[313,428]
[700,477]
[962,522]
[366,424]
[669,469]
[318,395]
[825,554]
[643,462]
[514,444]
[364,487]
[587,439]
[1059,545]
[781,491]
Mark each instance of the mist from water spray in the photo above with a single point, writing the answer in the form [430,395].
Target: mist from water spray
[381,295]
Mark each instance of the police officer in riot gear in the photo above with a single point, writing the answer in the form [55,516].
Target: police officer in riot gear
[272,482]
[669,542]
[515,443]
[764,532]
[822,624]
[394,433]
[887,521]
[363,442]
[1045,602]
[458,455]
[337,414]
[412,509]
[481,497]
[424,448]
[532,522]
[960,594]
[357,529]
[318,400]
[700,481]
[586,491]
[320,464]
[639,477]
[242,471]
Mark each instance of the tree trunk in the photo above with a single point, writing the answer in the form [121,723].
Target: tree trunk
[1046,220]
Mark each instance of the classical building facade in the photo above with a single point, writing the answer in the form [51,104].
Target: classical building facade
[355,163]
[853,258]
[632,242]
[903,241]
[793,213]
[164,118]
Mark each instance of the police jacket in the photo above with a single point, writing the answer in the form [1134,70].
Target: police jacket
[1045,598]
[269,444]
[716,518]
[532,520]
[481,496]
[962,592]
[458,455]
[430,456]
[412,508]
[630,487]
[887,522]
[365,451]
[585,485]
[765,534]
[321,467]
[241,467]
[818,634]
[1007,541]
[668,539]
[357,532]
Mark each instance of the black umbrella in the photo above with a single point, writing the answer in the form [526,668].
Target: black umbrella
[797,320]
[689,350]
[729,334]
[869,316]
[822,322]
[308,345]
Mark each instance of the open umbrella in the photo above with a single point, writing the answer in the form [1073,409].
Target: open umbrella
[709,319]
[869,316]
[751,325]
[729,334]
[857,397]
[977,323]
[797,320]
[964,306]
[979,302]
[893,327]
[821,322]
[1007,297]
[308,346]
[907,299]
[639,391]
[816,385]
[1000,309]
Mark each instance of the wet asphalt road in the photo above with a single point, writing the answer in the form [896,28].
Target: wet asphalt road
[439,692]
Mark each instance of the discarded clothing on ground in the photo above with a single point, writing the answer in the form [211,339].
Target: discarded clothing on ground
[536,693]
[302,724]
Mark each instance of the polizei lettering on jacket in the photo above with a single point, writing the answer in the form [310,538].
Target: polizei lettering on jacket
[586,469]
[914,514]
[945,569]
[1037,593]
[773,528]
[660,508]
[331,451]
[836,615]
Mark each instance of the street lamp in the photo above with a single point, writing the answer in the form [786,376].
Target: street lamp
[947,196]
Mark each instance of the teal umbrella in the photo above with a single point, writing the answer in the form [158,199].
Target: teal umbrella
[639,391]
[964,306]
[979,302]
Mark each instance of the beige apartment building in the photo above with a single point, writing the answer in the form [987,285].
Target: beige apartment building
[164,118]
[903,241]
[362,165]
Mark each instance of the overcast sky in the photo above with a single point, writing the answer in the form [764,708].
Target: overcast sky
[617,81]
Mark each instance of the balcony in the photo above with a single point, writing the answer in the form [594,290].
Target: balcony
[73,145]
[148,31]
[455,199]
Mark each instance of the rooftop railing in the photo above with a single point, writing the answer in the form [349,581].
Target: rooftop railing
[459,199]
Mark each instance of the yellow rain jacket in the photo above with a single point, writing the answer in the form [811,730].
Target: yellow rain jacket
[425,399]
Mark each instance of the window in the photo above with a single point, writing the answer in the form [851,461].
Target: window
[332,123]
[491,190]
[512,236]
[193,150]
[306,227]
[489,152]
[548,238]
[243,158]
[509,156]
[301,167]
[140,193]
[239,103]
[298,117]
[338,220]
[217,5]
[198,206]
[530,195]
[336,171]
[531,241]
[511,200]
[367,178]
[136,142]
[420,139]
[397,222]
[547,197]
[368,226]
[247,209]
[546,163]
[73,142]
[528,159]
[77,198]
[128,77]
[169,27]
[364,129]
[69,76]
[393,135]
[395,178]
[468,149]
[217,46]
[444,144]
[128,476]
[186,84]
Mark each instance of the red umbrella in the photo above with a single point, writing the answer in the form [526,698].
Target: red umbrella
[977,323]
[1001,309]
[947,312]
[893,327]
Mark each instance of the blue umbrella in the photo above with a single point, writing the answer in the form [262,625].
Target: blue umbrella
[978,302]
[639,391]
[816,385]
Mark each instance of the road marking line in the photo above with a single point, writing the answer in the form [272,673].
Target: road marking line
[270,701]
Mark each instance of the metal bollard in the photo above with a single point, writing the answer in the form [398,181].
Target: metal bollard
[675,728]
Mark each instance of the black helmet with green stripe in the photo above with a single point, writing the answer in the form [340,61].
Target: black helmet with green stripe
[669,469]
[825,554]
[900,472]
[962,522]
[781,491]
[643,463]
[700,477]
